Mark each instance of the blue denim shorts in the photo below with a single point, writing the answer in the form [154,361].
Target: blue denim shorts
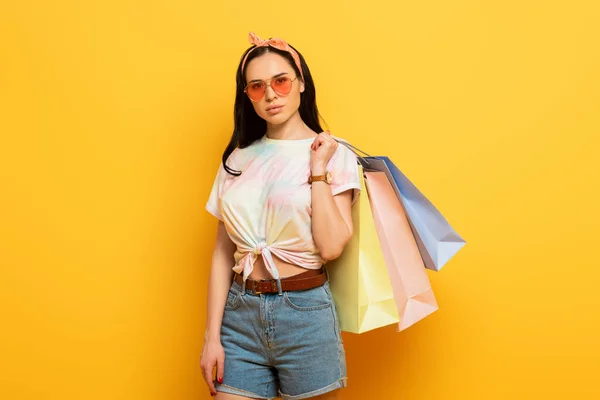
[287,345]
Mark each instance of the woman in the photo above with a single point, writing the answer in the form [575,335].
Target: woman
[283,195]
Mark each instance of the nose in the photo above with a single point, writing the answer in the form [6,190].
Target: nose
[270,93]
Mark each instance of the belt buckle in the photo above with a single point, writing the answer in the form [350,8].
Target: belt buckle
[254,291]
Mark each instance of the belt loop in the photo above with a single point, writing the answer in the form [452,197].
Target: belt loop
[326,271]
[243,286]
[279,287]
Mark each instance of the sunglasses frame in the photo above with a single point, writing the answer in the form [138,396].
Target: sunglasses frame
[267,83]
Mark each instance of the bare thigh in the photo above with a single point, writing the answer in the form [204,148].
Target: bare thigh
[227,396]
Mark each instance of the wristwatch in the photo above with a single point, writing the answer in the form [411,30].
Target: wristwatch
[325,178]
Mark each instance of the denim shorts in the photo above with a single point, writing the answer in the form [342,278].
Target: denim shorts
[286,345]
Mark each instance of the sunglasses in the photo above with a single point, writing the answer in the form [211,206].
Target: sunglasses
[282,85]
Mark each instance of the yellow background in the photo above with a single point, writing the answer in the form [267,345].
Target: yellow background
[113,117]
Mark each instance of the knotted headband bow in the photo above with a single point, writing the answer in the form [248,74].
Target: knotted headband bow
[276,43]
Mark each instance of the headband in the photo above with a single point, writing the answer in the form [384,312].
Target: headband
[273,42]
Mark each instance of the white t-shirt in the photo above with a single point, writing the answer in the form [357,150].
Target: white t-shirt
[267,209]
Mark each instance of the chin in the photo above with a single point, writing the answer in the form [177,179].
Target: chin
[276,119]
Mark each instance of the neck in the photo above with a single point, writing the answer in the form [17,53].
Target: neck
[293,128]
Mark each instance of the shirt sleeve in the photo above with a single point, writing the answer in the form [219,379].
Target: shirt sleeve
[344,172]
[213,205]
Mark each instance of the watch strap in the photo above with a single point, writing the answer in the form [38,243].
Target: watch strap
[324,178]
[316,178]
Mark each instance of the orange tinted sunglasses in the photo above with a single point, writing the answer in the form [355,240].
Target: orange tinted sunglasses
[282,85]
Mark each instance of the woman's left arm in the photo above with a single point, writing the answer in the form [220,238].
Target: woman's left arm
[331,215]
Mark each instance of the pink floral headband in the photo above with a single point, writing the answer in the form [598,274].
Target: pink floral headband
[276,43]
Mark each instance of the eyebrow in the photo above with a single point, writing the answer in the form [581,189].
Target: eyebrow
[273,77]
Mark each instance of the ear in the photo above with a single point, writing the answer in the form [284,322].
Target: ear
[301,86]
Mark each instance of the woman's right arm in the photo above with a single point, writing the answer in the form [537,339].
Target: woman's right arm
[219,282]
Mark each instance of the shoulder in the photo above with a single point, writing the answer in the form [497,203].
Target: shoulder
[242,156]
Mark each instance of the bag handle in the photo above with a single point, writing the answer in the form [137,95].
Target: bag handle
[361,160]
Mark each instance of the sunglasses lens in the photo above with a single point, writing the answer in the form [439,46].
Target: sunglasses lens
[282,85]
[256,90]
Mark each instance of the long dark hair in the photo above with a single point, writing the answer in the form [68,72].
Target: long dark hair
[248,125]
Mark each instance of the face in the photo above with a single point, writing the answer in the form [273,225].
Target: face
[273,107]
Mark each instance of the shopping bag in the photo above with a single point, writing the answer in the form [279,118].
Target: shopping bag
[412,290]
[438,242]
[359,279]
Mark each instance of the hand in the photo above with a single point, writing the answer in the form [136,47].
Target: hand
[322,150]
[212,354]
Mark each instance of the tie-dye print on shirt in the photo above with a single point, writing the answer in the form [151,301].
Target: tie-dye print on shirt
[267,209]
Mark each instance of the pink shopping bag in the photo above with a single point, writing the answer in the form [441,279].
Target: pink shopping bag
[412,290]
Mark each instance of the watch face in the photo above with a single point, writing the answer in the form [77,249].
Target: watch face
[328,177]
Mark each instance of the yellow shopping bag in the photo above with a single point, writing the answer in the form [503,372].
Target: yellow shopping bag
[359,279]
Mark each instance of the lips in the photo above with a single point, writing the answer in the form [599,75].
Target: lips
[274,108]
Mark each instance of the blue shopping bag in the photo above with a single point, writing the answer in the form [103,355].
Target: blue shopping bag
[437,241]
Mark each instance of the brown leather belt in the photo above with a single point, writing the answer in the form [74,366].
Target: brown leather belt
[303,281]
